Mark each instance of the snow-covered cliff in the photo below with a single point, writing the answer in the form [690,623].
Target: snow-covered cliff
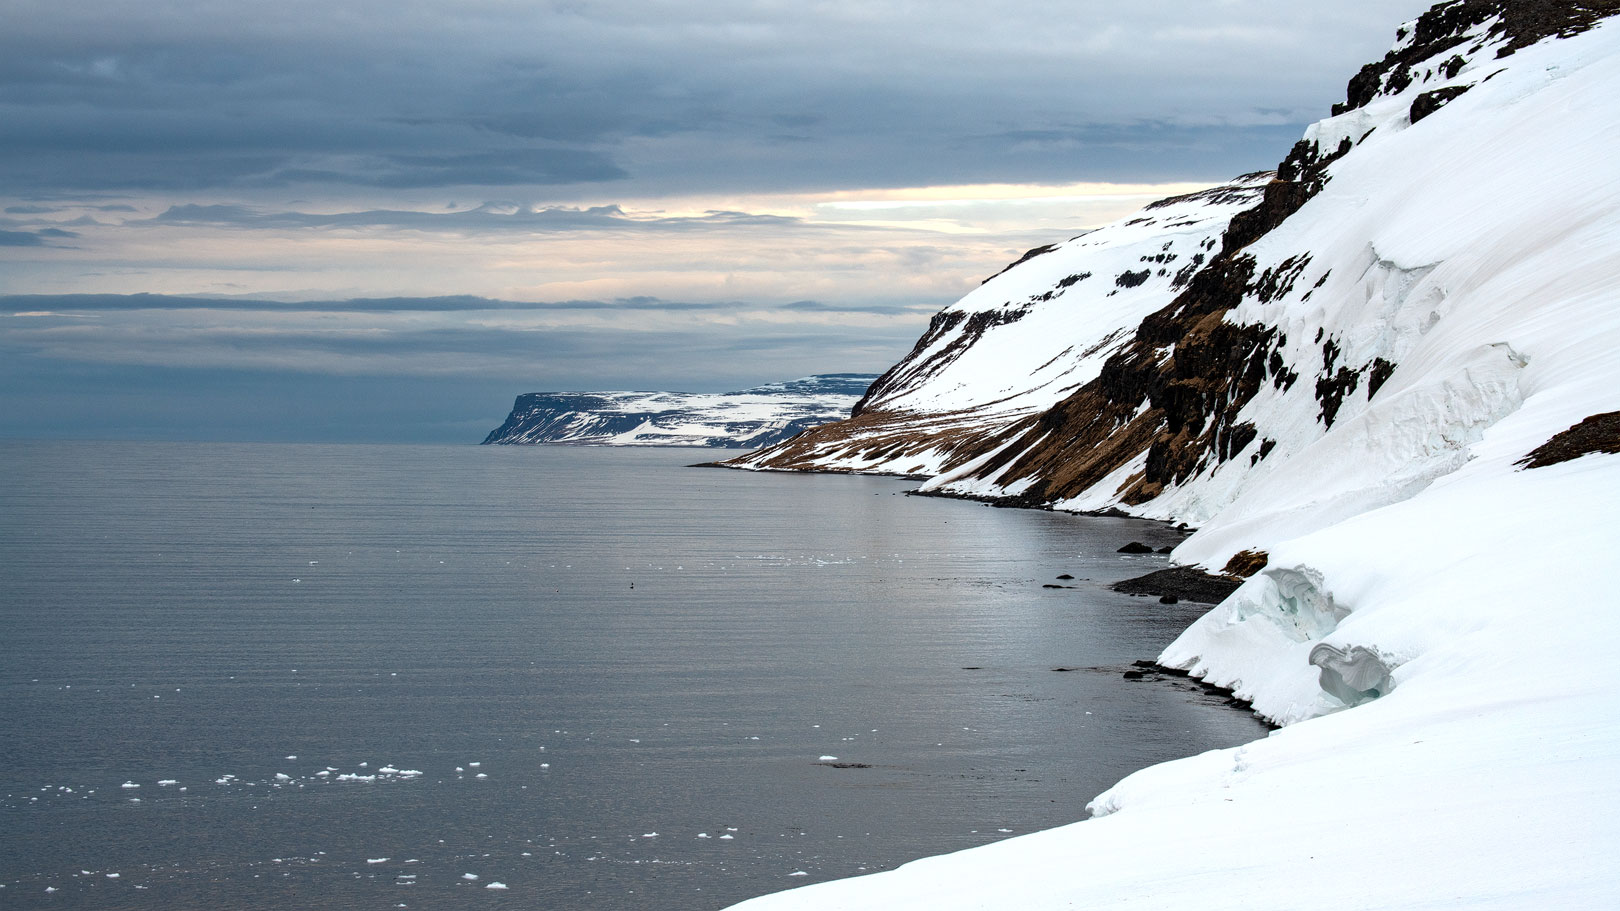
[734,420]
[1394,386]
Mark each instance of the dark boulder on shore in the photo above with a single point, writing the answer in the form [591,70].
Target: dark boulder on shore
[1181,582]
[1136,547]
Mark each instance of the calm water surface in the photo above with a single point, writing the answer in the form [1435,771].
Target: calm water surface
[354,677]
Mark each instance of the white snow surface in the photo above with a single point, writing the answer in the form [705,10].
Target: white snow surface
[1066,331]
[1434,622]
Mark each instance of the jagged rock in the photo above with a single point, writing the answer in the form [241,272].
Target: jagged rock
[1598,433]
[1182,582]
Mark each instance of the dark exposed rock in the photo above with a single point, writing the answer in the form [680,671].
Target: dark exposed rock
[1153,672]
[1246,563]
[1331,391]
[1135,547]
[1065,576]
[1598,433]
[1184,582]
[1131,279]
[1444,27]
[1164,550]
[846,765]
[1429,102]
[1169,599]
[1279,279]
[1377,374]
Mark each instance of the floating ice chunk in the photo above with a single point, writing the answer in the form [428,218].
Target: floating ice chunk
[388,770]
[545,765]
[475,764]
[496,886]
[703,835]
[283,776]
[829,759]
[166,782]
[129,784]
[798,873]
[409,773]
[726,837]
[113,875]
[482,775]
[289,757]
[350,776]
[469,876]
[649,835]
[376,860]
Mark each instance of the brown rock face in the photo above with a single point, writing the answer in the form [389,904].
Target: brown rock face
[1598,433]
[1442,28]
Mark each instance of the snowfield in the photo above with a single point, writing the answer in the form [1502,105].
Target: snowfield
[1434,621]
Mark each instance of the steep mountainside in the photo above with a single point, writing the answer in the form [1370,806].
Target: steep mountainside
[1023,341]
[737,420]
[1390,398]
[1392,272]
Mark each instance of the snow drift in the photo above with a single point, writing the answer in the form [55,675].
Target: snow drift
[1395,378]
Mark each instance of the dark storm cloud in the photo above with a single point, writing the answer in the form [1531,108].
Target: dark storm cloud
[173,95]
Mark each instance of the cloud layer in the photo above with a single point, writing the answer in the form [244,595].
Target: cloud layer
[475,198]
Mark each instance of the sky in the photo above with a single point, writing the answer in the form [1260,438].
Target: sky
[381,220]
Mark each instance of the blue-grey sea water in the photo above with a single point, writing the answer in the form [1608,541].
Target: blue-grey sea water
[269,676]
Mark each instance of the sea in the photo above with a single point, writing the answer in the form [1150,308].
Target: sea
[280,676]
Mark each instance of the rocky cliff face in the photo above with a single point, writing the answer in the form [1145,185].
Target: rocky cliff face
[740,420]
[1368,300]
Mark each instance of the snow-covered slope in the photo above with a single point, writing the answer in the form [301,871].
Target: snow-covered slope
[747,419]
[1397,386]
[1022,341]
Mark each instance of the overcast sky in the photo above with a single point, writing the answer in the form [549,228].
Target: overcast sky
[382,219]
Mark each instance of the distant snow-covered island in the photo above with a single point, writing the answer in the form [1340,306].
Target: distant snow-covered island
[1383,383]
[749,419]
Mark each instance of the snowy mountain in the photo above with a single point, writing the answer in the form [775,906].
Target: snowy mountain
[1390,395]
[747,419]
